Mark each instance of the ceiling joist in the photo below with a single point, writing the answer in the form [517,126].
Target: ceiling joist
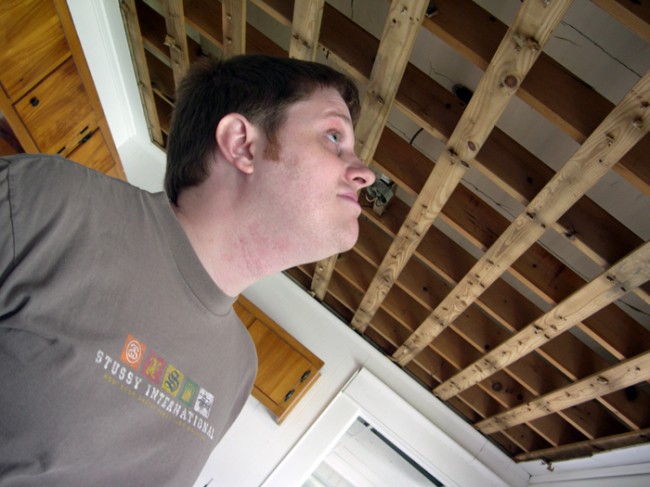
[467,223]
[234,27]
[397,41]
[305,29]
[631,272]
[619,376]
[615,136]
[517,53]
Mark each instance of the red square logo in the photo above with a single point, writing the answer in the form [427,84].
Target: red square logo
[154,367]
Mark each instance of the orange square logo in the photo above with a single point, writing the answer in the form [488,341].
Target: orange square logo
[133,351]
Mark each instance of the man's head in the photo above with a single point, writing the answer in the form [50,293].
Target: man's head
[261,88]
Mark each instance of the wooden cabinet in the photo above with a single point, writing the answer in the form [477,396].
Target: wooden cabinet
[286,369]
[47,96]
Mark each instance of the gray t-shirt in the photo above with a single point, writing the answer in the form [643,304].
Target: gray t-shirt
[121,362]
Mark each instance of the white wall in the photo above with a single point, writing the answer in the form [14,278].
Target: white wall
[255,445]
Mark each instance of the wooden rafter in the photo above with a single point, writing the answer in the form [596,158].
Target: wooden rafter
[636,15]
[616,135]
[550,89]
[627,274]
[536,281]
[520,174]
[176,39]
[619,376]
[397,41]
[512,61]
[587,448]
[136,45]
[234,27]
[305,29]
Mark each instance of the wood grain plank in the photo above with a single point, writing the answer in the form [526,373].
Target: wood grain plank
[305,29]
[551,89]
[635,15]
[606,288]
[512,61]
[136,45]
[176,39]
[397,41]
[619,376]
[623,128]
[234,27]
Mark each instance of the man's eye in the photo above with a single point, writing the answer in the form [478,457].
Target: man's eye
[334,137]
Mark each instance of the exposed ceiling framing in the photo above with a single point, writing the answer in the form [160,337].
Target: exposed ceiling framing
[536,350]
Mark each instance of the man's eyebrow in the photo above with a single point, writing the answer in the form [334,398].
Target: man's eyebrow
[337,114]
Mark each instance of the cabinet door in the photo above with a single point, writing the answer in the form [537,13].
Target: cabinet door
[58,112]
[93,153]
[281,366]
[33,44]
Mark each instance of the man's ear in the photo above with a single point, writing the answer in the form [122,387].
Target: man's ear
[237,139]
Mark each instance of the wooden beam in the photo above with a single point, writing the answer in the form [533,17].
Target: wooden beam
[512,311]
[550,89]
[176,39]
[634,15]
[619,376]
[516,55]
[136,45]
[627,274]
[586,448]
[322,277]
[397,41]
[305,29]
[234,27]
[623,128]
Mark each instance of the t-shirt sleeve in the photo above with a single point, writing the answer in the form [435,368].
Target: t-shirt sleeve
[7,245]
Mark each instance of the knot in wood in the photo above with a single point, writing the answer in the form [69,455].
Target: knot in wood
[511,81]
[471,145]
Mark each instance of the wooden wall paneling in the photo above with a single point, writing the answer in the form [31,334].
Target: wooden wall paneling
[89,86]
[13,118]
[25,58]
[57,110]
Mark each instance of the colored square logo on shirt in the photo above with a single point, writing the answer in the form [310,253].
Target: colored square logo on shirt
[132,352]
[172,380]
[154,367]
[204,403]
[189,392]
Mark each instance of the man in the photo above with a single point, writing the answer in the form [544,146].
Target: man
[121,360]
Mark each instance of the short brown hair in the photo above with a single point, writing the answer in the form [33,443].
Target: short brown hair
[259,87]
